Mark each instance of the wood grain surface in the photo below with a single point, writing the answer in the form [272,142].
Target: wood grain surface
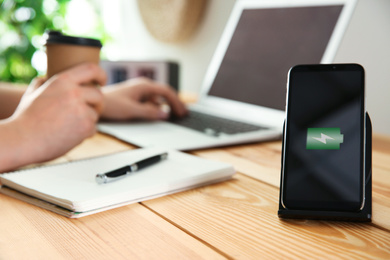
[236,219]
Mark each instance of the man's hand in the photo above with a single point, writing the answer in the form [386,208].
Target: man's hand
[54,117]
[140,98]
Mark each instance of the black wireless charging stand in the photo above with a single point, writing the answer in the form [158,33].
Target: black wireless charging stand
[363,215]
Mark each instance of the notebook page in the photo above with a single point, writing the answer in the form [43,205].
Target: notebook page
[73,185]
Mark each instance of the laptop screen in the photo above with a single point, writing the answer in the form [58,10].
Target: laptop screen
[265,45]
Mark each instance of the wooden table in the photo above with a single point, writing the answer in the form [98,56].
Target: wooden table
[236,219]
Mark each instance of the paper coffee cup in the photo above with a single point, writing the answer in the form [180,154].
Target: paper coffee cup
[64,52]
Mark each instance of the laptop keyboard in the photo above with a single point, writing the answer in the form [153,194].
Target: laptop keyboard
[213,125]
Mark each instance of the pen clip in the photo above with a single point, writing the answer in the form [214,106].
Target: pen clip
[133,168]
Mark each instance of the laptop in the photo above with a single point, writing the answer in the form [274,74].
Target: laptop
[242,99]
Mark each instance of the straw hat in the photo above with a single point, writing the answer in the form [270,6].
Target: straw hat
[171,21]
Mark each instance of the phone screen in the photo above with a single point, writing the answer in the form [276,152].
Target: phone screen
[323,165]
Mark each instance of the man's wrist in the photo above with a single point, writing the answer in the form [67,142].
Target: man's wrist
[13,145]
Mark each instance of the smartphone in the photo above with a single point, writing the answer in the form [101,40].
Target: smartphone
[324,138]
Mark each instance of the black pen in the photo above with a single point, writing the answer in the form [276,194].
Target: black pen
[128,169]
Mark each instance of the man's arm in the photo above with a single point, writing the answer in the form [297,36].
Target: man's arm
[52,118]
[9,99]
[140,98]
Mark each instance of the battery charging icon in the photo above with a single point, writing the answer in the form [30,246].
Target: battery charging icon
[324,138]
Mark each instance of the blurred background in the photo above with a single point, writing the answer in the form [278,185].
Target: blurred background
[125,29]
[22,28]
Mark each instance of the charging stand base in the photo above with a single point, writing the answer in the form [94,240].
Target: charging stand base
[363,215]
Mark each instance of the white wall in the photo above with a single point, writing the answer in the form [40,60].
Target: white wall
[367,41]
[194,55]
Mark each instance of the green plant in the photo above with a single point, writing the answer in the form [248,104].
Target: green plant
[22,24]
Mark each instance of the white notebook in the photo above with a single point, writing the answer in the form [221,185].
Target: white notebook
[70,189]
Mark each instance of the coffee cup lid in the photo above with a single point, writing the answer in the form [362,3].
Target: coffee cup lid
[59,38]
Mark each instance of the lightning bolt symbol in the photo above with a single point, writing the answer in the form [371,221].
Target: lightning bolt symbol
[323,138]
